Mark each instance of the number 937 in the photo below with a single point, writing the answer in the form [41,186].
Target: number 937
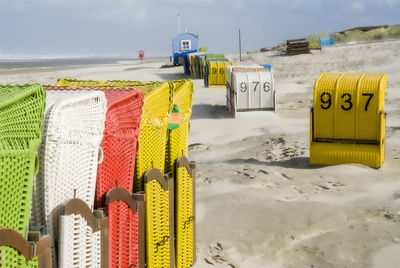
[346,100]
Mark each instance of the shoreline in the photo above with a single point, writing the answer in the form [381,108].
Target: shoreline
[38,64]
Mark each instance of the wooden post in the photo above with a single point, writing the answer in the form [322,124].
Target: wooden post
[240,47]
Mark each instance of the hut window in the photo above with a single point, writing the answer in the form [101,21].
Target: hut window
[186,45]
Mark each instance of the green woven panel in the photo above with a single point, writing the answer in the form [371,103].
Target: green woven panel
[10,258]
[21,125]
[215,56]
[21,116]
[17,169]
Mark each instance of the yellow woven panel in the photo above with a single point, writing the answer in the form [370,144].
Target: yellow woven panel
[157,226]
[153,133]
[177,141]
[194,66]
[184,219]
[152,141]
[348,114]
[202,66]
[177,145]
[183,97]
[217,72]
[67,82]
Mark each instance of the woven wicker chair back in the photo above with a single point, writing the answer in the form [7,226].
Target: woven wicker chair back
[21,126]
[69,155]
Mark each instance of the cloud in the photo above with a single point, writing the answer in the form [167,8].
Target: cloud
[125,26]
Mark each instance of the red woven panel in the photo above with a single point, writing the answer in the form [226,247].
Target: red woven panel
[123,235]
[119,143]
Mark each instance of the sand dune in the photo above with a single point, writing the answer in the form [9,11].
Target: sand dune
[263,205]
[259,202]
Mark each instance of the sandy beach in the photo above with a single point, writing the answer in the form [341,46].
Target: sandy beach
[259,202]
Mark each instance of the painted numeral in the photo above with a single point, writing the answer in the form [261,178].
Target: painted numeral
[255,85]
[326,99]
[267,86]
[369,95]
[243,86]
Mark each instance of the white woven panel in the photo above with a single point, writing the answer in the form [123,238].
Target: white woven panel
[78,245]
[74,125]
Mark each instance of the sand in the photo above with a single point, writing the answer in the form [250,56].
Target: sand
[259,202]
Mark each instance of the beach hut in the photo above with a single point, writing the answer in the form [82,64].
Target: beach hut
[183,42]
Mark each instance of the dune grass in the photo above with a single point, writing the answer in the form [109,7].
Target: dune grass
[392,32]
[382,33]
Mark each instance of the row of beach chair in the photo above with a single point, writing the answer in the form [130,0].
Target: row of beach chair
[96,174]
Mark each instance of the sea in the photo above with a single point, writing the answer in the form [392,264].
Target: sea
[20,63]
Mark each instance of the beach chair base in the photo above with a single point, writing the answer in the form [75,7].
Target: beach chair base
[255,114]
[16,250]
[326,153]
[217,86]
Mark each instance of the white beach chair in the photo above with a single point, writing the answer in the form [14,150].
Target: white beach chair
[69,155]
[229,70]
[82,236]
[253,94]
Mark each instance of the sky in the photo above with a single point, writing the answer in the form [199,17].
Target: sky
[123,27]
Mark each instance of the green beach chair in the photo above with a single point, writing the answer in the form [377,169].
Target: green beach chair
[21,125]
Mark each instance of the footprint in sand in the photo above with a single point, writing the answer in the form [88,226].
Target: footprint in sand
[286,176]
[198,147]
[277,149]
[328,184]
[207,181]
[216,255]
[389,215]
[320,187]
[246,173]
[262,171]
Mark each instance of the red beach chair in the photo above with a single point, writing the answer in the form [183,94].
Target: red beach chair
[126,227]
[124,110]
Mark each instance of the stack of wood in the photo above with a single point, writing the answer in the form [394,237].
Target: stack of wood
[297,46]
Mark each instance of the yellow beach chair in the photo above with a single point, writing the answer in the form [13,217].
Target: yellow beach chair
[347,119]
